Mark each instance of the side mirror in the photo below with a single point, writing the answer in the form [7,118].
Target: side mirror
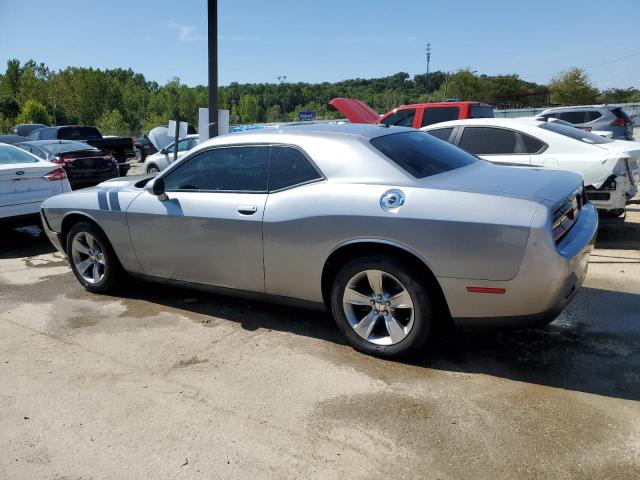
[163,151]
[155,186]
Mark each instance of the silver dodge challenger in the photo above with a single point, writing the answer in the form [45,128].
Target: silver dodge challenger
[390,229]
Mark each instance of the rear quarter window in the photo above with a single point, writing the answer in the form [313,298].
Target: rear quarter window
[9,155]
[572,117]
[402,118]
[420,154]
[431,115]
[441,133]
[481,111]
[488,141]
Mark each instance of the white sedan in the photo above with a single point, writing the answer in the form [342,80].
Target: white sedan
[25,182]
[610,168]
[162,159]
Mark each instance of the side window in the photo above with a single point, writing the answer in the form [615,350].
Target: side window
[532,144]
[488,141]
[194,143]
[441,133]
[433,115]
[48,133]
[184,144]
[402,118]
[227,169]
[593,115]
[35,134]
[290,167]
[572,117]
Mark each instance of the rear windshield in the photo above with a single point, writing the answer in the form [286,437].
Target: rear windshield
[422,155]
[620,113]
[576,134]
[79,133]
[15,155]
[65,147]
[481,111]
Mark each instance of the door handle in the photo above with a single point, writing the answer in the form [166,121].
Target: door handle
[247,209]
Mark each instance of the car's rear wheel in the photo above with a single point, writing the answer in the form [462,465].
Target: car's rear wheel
[139,154]
[381,305]
[92,260]
[152,169]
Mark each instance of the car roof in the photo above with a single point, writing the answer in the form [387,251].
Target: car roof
[359,130]
[496,122]
[579,107]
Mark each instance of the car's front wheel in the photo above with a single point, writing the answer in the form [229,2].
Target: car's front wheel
[382,306]
[91,257]
[152,169]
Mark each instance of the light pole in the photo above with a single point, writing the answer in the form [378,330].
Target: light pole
[282,79]
[428,55]
[212,23]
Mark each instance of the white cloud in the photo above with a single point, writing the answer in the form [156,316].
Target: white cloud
[187,33]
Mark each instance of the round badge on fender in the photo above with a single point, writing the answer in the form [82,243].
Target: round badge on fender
[392,199]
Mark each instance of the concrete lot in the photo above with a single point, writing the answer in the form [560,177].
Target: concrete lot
[168,383]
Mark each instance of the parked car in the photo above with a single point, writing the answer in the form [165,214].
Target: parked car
[609,167]
[416,115]
[24,129]
[161,160]
[143,147]
[595,117]
[11,139]
[120,147]
[85,165]
[25,181]
[371,223]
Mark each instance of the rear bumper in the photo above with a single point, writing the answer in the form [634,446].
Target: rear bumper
[54,237]
[548,279]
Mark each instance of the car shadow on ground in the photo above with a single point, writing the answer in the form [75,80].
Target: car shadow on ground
[23,242]
[589,348]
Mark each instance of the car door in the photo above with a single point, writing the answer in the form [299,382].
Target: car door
[208,229]
[495,144]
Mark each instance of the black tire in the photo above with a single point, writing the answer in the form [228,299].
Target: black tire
[140,155]
[412,283]
[152,168]
[112,271]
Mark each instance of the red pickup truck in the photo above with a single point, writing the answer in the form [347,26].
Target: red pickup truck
[416,115]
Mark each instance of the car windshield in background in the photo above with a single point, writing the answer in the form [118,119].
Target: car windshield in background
[10,155]
[576,134]
[79,133]
[421,154]
[56,148]
[481,111]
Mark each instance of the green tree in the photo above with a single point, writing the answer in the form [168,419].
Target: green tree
[5,124]
[249,109]
[572,87]
[273,113]
[33,112]
[111,122]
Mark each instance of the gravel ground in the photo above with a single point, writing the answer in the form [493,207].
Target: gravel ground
[159,382]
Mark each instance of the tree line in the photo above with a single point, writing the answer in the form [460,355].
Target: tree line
[122,102]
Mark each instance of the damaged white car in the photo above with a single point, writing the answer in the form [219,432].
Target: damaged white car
[610,168]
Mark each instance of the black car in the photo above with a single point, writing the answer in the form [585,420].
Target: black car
[24,129]
[120,147]
[143,147]
[85,165]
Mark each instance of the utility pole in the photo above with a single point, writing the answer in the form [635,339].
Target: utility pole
[428,55]
[282,79]
[212,10]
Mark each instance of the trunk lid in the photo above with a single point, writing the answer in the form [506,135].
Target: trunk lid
[356,111]
[537,184]
[25,183]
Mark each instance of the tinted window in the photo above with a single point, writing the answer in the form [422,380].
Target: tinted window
[183,146]
[431,115]
[35,135]
[488,141]
[531,144]
[14,155]
[576,134]
[79,133]
[402,118]
[441,133]
[481,111]
[242,169]
[572,117]
[289,167]
[421,155]
[593,115]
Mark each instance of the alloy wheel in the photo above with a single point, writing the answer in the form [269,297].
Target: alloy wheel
[378,307]
[88,257]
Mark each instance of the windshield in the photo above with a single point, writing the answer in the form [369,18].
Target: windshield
[574,133]
[79,133]
[56,148]
[421,154]
[10,155]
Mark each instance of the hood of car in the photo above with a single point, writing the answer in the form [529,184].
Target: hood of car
[537,184]
[356,111]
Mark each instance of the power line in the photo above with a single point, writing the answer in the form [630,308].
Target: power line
[608,62]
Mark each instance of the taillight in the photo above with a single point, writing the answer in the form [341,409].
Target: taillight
[620,122]
[57,174]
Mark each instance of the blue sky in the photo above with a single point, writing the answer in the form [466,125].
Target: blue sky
[329,40]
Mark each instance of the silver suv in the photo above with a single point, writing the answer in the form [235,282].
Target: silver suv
[595,117]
